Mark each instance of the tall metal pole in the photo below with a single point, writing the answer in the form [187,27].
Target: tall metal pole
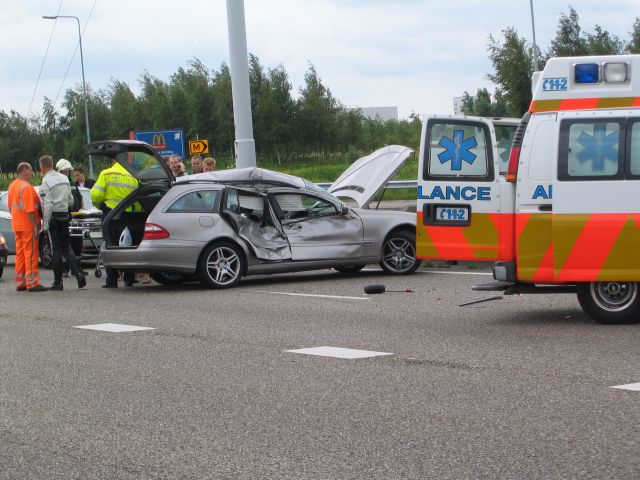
[535,47]
[239,67]
[84,85]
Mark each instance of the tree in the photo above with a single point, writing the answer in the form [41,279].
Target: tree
[568,41]
[125,109]
[513,64]
[603,43]
[634,45]
[317,109]
[482,105]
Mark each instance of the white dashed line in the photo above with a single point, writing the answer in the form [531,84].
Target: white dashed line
[337,352]
[312,295]
[113,327]
[634,387]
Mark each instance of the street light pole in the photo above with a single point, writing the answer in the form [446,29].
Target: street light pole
[535,48]
[84,85]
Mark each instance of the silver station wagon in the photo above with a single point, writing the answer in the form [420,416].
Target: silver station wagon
[220,226]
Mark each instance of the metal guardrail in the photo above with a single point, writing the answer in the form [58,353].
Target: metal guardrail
[394,184]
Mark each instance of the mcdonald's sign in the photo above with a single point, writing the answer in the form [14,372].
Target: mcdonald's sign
[159,142]
[165,142]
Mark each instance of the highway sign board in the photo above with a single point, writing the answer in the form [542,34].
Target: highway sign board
[165,142]
[198,146]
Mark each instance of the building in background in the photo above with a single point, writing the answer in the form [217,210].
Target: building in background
[457,105]
[380,113]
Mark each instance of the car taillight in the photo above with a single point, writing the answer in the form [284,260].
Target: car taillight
[154,232]
[514,158]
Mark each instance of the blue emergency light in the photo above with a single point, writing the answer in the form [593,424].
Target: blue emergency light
[586,73]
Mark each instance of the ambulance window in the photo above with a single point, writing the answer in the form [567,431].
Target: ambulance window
[504,139]
[458,150]
[634,149]
[590,150]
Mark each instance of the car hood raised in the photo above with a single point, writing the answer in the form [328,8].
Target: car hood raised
[367,175]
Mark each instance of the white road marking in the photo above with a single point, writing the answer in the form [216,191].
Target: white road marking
[114,327]
[338,352]
[635,387]
[312,295]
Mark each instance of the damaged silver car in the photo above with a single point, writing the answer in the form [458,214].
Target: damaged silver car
[220,226]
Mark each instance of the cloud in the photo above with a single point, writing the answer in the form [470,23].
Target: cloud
[416,54]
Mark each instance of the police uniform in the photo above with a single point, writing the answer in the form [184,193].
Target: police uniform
[57,202]
[112,186]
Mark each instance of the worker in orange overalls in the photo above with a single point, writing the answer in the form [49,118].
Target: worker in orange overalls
[26,215]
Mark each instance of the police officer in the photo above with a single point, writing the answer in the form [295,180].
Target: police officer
[57,202]
[113,185]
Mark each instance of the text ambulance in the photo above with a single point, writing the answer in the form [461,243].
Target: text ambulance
[565,215]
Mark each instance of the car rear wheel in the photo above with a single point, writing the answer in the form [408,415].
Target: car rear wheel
[610,302]
[399,253]
[221,265]
[167,278]
[349,269]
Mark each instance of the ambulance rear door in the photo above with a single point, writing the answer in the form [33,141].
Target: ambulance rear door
[465,206]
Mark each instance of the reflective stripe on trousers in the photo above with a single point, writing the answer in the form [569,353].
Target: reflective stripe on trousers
[27,272]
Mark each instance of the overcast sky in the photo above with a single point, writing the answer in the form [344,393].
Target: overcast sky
[413,54]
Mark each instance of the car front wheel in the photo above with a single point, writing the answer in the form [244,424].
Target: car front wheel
[399,253]
[610,302]
[221,265]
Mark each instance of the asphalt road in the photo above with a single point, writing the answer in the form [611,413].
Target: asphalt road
[517,388]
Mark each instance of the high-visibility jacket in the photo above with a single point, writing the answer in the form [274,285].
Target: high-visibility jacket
[112,186]
[23,199]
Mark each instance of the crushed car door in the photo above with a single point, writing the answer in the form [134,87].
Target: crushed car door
[250,214]
[318,229]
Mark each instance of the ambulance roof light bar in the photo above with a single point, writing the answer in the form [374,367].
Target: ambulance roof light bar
[591,73]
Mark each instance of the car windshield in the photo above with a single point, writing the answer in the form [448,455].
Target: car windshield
[4,205]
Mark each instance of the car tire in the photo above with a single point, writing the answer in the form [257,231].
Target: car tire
[45,251]
[167,278]
[1,269]
[349,269]
[399,253]
[610,303]
[221,265]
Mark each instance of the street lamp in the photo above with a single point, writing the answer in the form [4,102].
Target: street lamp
[535,48]
[84,85]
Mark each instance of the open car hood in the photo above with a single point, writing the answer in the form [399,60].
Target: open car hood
[367,175]
[138,158]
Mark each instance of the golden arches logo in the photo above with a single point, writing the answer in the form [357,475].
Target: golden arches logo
[159,142]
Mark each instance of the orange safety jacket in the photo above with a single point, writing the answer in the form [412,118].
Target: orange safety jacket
[23,199]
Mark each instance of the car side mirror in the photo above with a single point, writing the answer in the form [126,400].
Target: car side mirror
[344,209]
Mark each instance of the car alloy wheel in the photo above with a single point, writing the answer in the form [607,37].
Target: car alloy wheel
[221,265]
[399,253]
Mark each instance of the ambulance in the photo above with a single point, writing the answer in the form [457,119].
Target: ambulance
[563,213]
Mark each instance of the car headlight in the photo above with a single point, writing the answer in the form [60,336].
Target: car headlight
[2,240]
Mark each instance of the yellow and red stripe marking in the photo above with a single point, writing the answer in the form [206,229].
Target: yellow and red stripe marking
[583,104]
[549,248]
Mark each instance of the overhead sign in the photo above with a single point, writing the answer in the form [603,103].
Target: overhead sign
[165,142]
[198,146]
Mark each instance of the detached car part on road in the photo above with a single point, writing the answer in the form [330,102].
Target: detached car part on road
[220,226]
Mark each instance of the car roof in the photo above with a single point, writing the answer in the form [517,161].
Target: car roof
[251,176]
